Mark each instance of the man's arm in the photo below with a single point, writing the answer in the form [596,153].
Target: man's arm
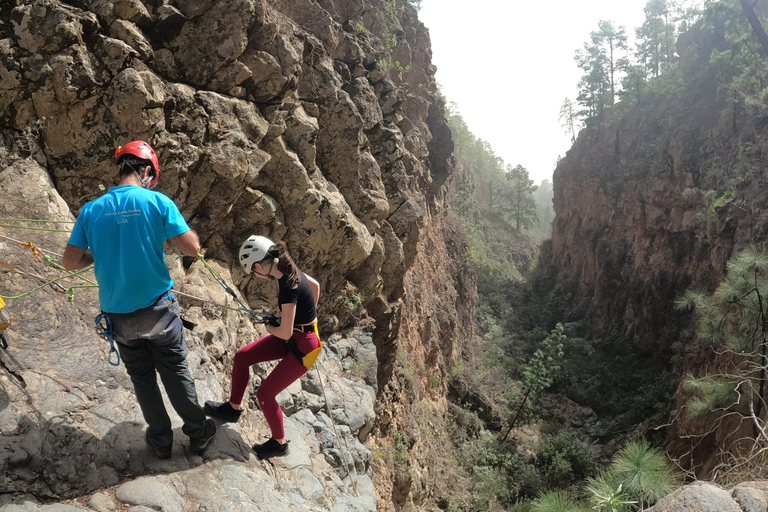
[187,243]
[76,258]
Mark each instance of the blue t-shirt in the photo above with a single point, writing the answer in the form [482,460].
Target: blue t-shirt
[125,230]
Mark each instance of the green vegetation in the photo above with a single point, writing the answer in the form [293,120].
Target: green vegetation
[611,71]
[354,301]
[542,369]
[732,321]
[637,478]
[360,29]
[496,205]
[533,351]
[525,358]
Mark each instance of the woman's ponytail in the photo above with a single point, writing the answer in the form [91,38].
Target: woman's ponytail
[285,263]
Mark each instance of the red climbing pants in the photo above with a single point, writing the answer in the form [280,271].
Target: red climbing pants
[270,348]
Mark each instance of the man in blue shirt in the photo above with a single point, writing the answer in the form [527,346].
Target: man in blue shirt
[125,230]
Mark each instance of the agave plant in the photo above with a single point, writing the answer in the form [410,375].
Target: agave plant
[607,494]
[643,472]
[557,501]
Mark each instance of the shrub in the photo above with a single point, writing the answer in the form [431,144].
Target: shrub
[563,460]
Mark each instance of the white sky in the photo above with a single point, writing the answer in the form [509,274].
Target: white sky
[509,66]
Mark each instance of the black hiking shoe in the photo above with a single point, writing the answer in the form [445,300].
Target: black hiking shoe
[271,449]
[161,452]
[222,411]
[199,444]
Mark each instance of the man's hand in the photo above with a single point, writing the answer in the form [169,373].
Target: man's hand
[187,243]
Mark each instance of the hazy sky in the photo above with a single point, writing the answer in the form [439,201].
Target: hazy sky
[509,66]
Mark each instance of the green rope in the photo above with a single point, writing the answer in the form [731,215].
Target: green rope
[257,315]
[36,229]
[5,219]
[209,267]
[71,290]
[30,292]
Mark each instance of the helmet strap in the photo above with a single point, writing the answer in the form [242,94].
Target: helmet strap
[138,171]
[268,275]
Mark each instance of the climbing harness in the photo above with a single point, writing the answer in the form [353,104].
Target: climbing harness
[5,321]
[104,330]
[308,360]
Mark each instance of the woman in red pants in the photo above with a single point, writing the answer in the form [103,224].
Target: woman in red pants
[297,297]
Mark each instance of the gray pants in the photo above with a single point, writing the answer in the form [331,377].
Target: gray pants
[149,340]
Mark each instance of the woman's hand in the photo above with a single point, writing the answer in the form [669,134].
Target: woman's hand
[285,329]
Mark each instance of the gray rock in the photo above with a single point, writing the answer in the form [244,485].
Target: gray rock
[151,492]
[61,507]
[698,497]
[101,502]
[751,496]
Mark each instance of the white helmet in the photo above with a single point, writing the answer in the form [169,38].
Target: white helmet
[254,250]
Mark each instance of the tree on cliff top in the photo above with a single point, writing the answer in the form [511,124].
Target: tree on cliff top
[656,37]
[569,118]
[600,60]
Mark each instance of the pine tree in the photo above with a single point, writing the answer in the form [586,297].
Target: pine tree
[656,37]
[614,41]
[522,204]
[634,83]
[599,60]
[733,321]
[569,118]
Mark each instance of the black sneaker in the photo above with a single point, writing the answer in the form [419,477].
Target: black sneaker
[222,411]
[271,449]
[199,444]
[161,452]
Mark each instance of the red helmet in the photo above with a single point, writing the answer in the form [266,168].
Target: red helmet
[141,149]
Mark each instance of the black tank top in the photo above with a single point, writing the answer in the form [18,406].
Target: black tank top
[302,296]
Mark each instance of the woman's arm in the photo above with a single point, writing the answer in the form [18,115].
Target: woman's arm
[285,330]
[315,288]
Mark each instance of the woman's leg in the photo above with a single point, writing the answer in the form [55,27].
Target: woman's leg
[267,348]
[287,371]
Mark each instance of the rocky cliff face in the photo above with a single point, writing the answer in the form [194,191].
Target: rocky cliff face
[633,228]
[314,122]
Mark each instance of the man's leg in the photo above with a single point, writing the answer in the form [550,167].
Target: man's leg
[171,361]
[137,358]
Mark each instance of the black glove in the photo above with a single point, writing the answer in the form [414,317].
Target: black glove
[272,320]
